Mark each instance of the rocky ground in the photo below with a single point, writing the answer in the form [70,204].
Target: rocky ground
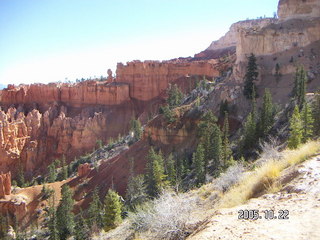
[301,197]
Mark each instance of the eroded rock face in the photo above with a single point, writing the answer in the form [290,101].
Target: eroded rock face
[149,79]
[230,38]
[288,9]
[83,169]
[75,95]
[33,140]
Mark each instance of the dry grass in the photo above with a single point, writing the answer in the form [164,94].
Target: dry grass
[263,178]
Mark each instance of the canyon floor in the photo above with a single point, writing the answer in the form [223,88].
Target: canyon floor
[301,197]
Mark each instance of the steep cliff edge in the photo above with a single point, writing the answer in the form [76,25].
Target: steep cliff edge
[288,9]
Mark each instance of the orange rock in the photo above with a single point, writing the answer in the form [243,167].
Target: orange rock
[83,169]
[149,79]
[5,184]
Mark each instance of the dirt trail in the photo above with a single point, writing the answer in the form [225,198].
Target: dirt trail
[301,197]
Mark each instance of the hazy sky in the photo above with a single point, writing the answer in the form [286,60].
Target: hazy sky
[50,40]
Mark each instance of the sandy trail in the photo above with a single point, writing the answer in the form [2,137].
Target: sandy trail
[301,197]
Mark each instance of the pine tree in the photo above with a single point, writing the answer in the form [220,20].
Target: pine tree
[175,96]
[217,149]
[52,222]
[316,114]
[295,137]
[155,177]
[267,113]
[207,127]
[307,122]
[299,89]
[64,168]
[95,206]
[249,132]
[171,170]
[136,129]
[136,189]
[65,217]
[81,230]
[198,160]
[226,153]
[136,192]
[113,206]
[52,173]
[250,77]
[20,180]
[3,226]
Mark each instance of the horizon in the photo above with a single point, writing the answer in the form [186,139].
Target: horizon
[51,41]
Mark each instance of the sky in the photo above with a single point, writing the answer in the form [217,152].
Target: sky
[54,40]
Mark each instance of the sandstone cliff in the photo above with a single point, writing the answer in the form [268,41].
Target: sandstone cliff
[149,79]
[76,95]
[288,9]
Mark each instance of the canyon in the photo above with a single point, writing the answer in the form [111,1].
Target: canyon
[43,122]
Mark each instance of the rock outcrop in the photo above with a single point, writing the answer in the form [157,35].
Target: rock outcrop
[149,79]
[289,9]
[5,184]
[83,169]
[75,95]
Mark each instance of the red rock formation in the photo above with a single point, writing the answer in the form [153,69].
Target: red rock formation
[83,169]
[75,95]
[5,184]
[148,79]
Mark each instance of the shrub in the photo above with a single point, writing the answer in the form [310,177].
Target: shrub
[165,218]
[231,177]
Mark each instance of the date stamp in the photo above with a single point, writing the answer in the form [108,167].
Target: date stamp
[255,214]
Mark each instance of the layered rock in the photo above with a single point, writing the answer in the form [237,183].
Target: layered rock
[30,142]
[75,95]
[149,79]
[5,184]
[289,9]
[83,169]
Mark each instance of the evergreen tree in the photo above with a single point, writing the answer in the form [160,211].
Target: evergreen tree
[226,153]
[64,168]
[52,222]
[136,190]
[155,177]
[250,77]
[171,170]
[65,217]
[224,108]
[266,116]
[81,230]
[249,133]
[175,96]
[95,206]
[217,149]
[299,89]
[207,127]
[307,122]
[3,226]
[136,129]
[295,137]
[52,173]
[113,206]
[316,114]
[20,180]
[198,160]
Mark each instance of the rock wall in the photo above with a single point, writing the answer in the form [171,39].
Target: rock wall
[288,9]
[280,37]
[31,141]
[5,184]
[148,79]
[75,95]
[230,38]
